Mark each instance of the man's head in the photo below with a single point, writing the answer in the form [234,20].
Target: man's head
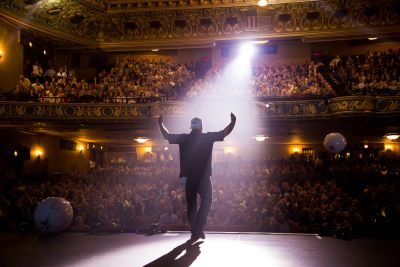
[196,124]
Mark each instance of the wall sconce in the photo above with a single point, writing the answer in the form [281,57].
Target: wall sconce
[296,149]
[229,151]
[1,54]
[389,147]
[147,149]
[81,148]
[38,153]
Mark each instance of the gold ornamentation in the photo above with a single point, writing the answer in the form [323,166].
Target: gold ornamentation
[2,110]
[117,112]
[59,111]
[97,111]
[20,110]
[163,21]
[394,105]
[80,111]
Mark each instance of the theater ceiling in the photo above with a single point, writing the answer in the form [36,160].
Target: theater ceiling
[133,25]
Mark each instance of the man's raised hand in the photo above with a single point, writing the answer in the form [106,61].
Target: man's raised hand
[233,117]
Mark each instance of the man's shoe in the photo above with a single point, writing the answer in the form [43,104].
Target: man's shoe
[198,236]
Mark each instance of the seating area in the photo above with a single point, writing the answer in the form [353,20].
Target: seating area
[135,80]
[275,196]
[284,81]
[372,74]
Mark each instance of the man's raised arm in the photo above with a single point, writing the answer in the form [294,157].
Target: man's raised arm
[163,130]
[228,129]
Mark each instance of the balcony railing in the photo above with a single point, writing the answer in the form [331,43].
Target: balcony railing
[125,111]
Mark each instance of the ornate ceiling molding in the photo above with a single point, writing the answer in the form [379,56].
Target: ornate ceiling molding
[124,6]
[81,23]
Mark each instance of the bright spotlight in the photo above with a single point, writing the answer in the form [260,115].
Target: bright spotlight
[247,50]
[262,3]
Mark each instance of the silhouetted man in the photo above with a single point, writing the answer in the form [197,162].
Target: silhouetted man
[195,151]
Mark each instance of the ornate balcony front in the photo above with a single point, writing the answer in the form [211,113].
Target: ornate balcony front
[119,112]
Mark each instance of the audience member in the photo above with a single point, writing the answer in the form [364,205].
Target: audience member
[278,196]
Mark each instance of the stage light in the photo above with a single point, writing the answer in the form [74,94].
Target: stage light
[142,140]
[365,146]
[166,148]
[246,50]
[44,52]
[15,153]
[262,3]
[260,42]
[372,38]
[30,44]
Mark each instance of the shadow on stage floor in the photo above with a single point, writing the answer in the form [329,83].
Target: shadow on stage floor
[191,252]
[172,249]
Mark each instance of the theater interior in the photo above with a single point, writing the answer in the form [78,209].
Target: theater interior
[84,82]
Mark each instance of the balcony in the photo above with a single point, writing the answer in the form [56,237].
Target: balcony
[120,112]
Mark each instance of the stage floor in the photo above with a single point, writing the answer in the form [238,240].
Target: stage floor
[171,249]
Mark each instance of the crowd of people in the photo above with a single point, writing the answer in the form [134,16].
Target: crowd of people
[135,80]
[274,196]
[375,73]
[141,80]
[296,80]
[130,80]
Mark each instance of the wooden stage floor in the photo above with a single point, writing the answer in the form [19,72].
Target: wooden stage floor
[171,249]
